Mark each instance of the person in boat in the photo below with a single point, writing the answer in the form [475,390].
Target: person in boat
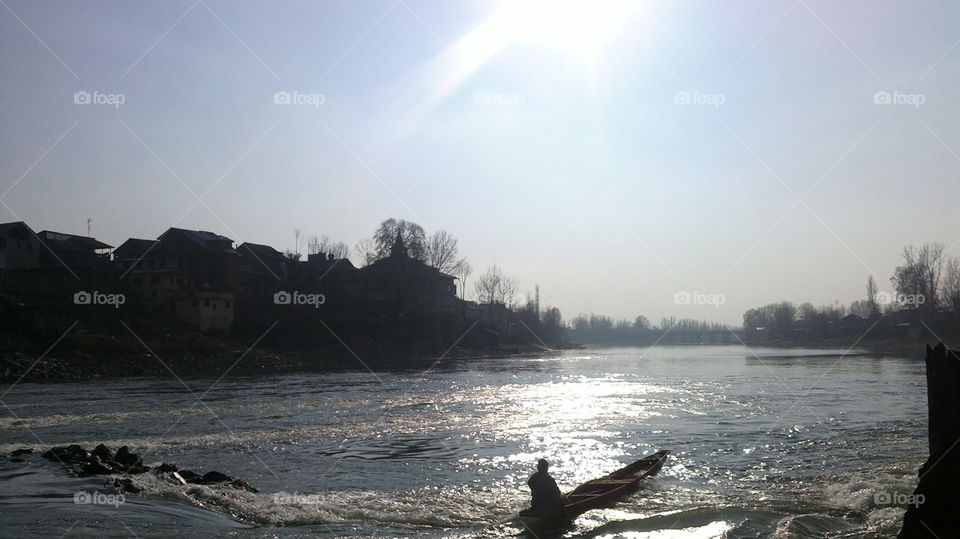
[544,491]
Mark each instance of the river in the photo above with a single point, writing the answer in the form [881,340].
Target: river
[764,441]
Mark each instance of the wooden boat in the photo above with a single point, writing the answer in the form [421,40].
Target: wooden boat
[596,493]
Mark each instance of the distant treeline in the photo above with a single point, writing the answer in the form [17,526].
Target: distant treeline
[598,328]
[924,295]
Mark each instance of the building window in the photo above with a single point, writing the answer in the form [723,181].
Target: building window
[194,303]
[226,304]
[206,303]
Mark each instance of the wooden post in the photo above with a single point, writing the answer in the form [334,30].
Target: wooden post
[935,511]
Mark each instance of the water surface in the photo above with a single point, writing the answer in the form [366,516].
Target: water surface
[782,442]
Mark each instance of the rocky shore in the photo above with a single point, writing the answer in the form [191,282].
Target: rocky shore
[117,467]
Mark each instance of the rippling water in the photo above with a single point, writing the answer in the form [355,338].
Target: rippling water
[789,443]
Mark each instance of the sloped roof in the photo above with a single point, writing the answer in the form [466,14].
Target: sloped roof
[258,250]
[207,240]
[134,248]
[5,227]
[72,241]
[404,263]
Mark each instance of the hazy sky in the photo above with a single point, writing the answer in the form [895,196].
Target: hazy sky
[615,153]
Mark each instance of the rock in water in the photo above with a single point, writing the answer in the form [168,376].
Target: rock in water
[71,454]
[126,458]
[936,502]
[103,452]
[215,477]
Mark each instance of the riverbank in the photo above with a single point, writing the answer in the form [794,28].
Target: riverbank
[83,356]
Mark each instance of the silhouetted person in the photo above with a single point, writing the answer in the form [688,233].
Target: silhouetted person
[544,491]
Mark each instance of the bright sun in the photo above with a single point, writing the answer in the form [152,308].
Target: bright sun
[577,28]
[574,26]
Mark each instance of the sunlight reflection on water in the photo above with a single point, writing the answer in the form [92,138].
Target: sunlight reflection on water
[449,452]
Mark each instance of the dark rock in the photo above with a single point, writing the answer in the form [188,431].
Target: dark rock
[126,458]
[165,468]
[98,467]
[71,454]
[18,452]
[243,485]
[126,485]
[215,477]
[103,452]
[191,477]
[137,469]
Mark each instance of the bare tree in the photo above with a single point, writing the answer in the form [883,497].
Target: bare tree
[462,272]
[323,244]
[918,279]
[495,287]
[951,283]
[872,297]
[296,243]
[442,252]
[366,251]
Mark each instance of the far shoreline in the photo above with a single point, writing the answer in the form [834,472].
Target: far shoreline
[232,359]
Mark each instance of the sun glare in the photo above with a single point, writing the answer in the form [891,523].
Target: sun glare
[577,28]
[573,26]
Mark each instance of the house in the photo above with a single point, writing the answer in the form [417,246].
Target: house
[262,260]
[19,247]
[402,284]
[262,271]
[336,278]
[190,274]
[130,252]
[73,251]
[50,263]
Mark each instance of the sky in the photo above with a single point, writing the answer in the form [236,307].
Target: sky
[688,159]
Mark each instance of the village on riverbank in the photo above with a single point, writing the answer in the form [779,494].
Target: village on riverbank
[199,301]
